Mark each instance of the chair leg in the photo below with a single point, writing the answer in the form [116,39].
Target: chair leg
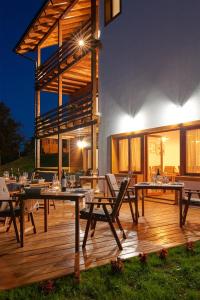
[93,228]
[186,208]
[14,221]
[112,227]
[131,209]
[120,227]
[8,223]
[32,222]
[88,226]
[53,203]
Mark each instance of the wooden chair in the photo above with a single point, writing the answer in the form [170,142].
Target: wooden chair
[191,193]
[7,209]
[11,212]
[114,190]
[192,197]
[108,212]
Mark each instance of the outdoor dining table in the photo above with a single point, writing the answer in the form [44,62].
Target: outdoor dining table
[174,186]
[75,195]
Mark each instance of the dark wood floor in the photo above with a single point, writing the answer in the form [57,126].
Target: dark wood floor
[51,255]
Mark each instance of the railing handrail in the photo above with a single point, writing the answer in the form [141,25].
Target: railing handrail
[61,54]
[65,115]
[86,98]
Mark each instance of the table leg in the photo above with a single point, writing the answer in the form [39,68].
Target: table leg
[180,208]
[45,214]
[142,202]
[77,240]
[136,206]
[22,222]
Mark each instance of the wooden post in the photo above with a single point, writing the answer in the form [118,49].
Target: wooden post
[37,114]
[94,84]
[59,104]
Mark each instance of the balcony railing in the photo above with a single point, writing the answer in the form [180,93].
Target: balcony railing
[68,54]
[65,118]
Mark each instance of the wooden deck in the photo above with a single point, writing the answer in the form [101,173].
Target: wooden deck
[51,255]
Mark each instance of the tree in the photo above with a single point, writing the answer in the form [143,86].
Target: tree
[29,146]
[10,136]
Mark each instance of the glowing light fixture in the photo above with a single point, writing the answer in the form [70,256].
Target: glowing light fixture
[81,144]
[81,43]
[164,139]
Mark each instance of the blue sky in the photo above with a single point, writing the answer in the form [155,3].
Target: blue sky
[17,73]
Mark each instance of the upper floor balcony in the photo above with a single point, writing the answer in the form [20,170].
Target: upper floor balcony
[67,56]
[65,118]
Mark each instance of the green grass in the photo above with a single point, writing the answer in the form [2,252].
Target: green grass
[25,163]
[177,277]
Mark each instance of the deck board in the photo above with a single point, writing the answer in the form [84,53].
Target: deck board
[51,255]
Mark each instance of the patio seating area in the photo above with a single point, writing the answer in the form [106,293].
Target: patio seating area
[51,254]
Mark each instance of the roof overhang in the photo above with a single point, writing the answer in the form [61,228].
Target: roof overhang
[71,12]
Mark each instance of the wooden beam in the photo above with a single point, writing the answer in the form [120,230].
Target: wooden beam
[37,114]
[55,23]
[60,101]
[94,85]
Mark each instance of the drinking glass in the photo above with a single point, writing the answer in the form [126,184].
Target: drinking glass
[72,180]
[6,175]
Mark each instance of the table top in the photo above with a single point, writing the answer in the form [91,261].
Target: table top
[152,185]
[93,177]
[75,193]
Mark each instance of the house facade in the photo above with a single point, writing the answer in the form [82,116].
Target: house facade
[131,72]
[149,74]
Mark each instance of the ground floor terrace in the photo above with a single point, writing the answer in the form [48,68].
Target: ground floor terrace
[51,255]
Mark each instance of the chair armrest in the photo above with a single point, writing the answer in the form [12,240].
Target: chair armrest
[108,198]
[99,203]
[192,191]
[7,200]
[131,189]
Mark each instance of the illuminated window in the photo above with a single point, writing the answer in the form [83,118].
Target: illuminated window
[112,9]
[123,155]
[193,151]
[135,154]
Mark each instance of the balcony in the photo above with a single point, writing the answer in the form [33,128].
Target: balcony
[65,118]
[65,57]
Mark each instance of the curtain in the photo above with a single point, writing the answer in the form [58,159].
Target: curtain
[136,154]
[123,155]
[193,151]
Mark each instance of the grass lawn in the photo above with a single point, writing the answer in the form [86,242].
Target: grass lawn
[176,277]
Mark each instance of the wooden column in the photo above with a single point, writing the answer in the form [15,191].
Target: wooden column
[94,84]
[37,114]
[60,151]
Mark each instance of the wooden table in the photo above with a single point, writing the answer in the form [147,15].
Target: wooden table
[57,196]
[178,187]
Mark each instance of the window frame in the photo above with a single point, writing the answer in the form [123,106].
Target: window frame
[111,17]
[183,143]
[129,137]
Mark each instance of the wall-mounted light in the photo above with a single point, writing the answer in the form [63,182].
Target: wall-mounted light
[81,144]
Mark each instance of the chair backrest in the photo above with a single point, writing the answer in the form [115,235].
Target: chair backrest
[169,169]
[112,184]
[120,197]
[4,193]
[31,197]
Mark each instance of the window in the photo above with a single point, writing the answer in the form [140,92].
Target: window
[193,151]
[123,155]
[112,9]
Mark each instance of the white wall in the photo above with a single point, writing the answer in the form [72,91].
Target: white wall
[149,68]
